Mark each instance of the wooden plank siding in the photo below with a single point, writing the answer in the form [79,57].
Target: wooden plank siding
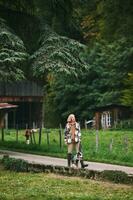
[29,98]
[20,89]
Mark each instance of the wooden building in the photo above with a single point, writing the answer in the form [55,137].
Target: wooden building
[5,108]
[109,116]
[29,98]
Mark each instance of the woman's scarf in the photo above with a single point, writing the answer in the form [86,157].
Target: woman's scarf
[72,129]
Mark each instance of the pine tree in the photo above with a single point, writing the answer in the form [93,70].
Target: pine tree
[12,54]
[58,55]
[127,98]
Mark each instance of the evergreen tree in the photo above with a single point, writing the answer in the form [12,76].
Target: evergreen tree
[12,54]
[57,54]
[127,98]
[102,84]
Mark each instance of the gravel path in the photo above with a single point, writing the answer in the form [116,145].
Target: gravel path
[63,162]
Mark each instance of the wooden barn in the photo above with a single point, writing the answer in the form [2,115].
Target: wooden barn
[109,116]
[28,96]
[5,108]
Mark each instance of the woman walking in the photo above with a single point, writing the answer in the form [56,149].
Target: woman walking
[73,139]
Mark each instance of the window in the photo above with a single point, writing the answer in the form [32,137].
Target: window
[106,119]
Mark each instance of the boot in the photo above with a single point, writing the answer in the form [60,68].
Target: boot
[69,158]
[83,165]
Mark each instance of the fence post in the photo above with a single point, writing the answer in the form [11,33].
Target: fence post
[85,125]
[31,139]
[111,145]
[17,133]
[40,135]
[97,140]
[2,134]
[60,136]
[47,132]
[34,139]
[126,143]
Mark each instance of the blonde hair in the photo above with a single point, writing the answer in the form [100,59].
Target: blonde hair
[71,117]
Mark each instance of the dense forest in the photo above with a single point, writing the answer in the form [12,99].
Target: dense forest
[80,51]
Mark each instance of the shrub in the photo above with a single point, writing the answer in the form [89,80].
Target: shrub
[13,164]
[115,176]
[20,165]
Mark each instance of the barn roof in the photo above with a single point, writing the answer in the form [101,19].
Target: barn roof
[110,106]
[7,106]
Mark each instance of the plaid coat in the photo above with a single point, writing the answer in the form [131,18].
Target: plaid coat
[68,133]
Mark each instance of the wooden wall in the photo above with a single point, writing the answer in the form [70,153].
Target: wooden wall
[20,89]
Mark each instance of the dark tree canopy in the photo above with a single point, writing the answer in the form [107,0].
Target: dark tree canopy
[81,51]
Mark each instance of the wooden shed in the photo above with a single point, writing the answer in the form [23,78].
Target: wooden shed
[110,115]
[5,108]
[29,98]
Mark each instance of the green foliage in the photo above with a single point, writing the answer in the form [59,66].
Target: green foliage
[108,20]
[19,5]
[109,65]
[115,176]
[12,54]
[57,14]
[13,164]
[127,98]
[117,19]
[58,55]
[101,84]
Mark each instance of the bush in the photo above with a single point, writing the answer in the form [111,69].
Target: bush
[13,164]
[115,176]
[23,166]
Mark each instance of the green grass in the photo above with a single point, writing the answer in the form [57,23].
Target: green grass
[41,186]
[121,153]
